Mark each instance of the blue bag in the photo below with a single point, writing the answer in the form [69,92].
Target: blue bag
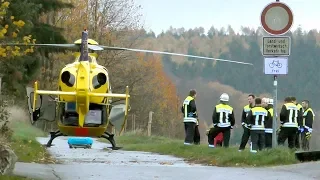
[75,142]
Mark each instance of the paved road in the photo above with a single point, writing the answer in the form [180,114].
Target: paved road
[97,164]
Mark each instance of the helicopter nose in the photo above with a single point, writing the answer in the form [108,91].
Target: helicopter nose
[68,78]
[99,80]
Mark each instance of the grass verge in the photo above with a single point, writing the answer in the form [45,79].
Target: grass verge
[202,154]
[25,145]
[14,178]
[23,142]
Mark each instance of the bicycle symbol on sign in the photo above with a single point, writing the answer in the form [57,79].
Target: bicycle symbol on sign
[275,63]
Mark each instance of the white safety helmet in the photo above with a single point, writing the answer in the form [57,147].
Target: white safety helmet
[270,101]
[265,100]
[224,97]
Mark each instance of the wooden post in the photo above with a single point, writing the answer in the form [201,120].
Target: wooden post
[125,127]
[134,123]
[150,123]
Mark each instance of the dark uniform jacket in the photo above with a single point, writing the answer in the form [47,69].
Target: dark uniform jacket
[245,112]
[308,118]
[290,116]
[223,116]
[258,117]
[189,110]
[269,124]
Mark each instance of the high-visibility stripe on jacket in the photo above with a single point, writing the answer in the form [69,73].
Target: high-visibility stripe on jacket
[189,110]
[290,116]
[257,117]
[308,118]
[223,116]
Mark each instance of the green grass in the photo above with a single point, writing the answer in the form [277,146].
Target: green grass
[25,145]
[14,178]
[204,155]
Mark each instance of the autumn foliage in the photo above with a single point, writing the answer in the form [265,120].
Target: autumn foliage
[157,93]
[9,31]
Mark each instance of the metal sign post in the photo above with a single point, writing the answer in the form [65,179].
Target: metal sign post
[275,112]
[275,66]
[276,48]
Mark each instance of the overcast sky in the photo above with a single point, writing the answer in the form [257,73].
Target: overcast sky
[159,15]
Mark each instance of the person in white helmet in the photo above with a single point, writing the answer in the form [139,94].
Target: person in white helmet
[223,120]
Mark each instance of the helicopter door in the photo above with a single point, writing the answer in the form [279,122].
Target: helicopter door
[45,107]
[117,117]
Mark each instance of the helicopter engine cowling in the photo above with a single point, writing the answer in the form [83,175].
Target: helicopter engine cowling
[68,79]
[67,82]
[99,80]
[99,84]
[97,77]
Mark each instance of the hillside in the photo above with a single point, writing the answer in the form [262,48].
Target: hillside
[213,78]
[241,47]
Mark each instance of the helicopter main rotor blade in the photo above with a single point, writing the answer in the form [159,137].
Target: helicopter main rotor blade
[46,45]
[175,54]
[92,47]
[95,47]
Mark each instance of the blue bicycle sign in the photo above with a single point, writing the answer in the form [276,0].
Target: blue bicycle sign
[275,63]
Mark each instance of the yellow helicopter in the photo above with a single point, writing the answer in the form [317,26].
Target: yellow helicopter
[84,100]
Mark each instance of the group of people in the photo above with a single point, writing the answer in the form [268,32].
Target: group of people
[257,121]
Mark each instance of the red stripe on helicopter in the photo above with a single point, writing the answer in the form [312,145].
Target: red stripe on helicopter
[81,132]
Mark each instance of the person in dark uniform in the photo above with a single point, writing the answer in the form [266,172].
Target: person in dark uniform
[223,120]
[257,117]
[307,122]
[298,137]
[290,120]
[190,119]
[246,129]
[269,124]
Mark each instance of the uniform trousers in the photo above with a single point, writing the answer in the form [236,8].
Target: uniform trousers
[192,133]
[268,137]
[257,140]
[215,131]
[289,133]
[304,142]
[245,138]
[297,141]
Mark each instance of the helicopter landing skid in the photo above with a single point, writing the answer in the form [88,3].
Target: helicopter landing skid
[53,135]
[110,138]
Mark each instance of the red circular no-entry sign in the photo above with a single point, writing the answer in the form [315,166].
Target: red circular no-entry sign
[276,18]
